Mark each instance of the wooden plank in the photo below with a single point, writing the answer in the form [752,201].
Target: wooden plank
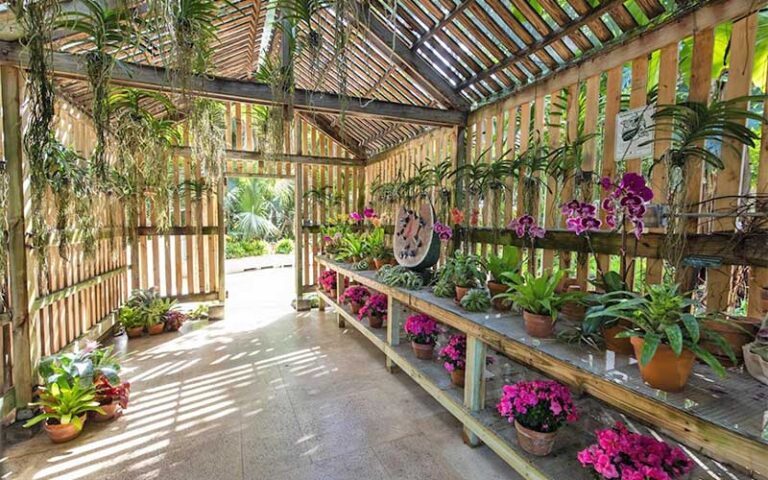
[474,390]
[572,131]
[551,212]
[758,281]
[588,163]
[609,167]
[728,180]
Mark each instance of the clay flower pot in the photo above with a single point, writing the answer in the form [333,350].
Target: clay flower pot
[63,433]
[134,332]
[423,352]
[533,442]
[110,410]
[376,321]
[539,326]
[739,333]
[377,263]
[460,292]
[496,289]
[666,371]
[457,377]
[332,294]
[355,307]
[156,328]
[618,345]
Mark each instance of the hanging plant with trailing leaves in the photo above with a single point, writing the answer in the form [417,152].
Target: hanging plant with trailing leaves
[207,127]
[280,82]
[303,20]
[109,30]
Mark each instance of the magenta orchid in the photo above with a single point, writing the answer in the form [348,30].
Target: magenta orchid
[628,198]
[625,455]
[375,305]
[369,212]
[526,225]
[581,216]
[540,405]
[444,232]
[421,329]
[355,217]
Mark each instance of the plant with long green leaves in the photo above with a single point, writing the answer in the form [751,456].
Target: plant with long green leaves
[66,403]
[466,270]
[83,366]
[613,290]
[353,248]
[537,295]
[476,300]
[377,246]
[399,276]
[509,261]
[662,316]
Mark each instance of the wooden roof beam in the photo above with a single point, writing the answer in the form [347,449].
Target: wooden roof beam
[336,134]
[441,24]
[417,67]
[72,66]
[249,156]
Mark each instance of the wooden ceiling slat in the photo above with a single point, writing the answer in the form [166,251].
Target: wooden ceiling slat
[542,27]
[444,22]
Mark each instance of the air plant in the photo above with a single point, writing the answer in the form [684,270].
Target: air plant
[207,126]
[303,16]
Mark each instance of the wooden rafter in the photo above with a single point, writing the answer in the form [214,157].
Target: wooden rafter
[322,124]
[249,156]
[441,24]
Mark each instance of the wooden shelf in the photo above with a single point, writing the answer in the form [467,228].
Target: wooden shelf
[720,417]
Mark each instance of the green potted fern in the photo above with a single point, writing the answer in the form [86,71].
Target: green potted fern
[539,299]
[498,265]
[467,271]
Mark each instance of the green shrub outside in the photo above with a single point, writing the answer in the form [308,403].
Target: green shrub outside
[245,248]
[284,246]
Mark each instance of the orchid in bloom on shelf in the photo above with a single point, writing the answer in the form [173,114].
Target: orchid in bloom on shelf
[628,198]
[369,213]
[454,353]
[355,217]
[581,216]
[457,216]
[626,455]
[355,294]
[421,329]
[375,305]
[443,231]
[328,279]
[540,405]
[526,225]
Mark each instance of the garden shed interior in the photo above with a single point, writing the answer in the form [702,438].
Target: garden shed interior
[546,216]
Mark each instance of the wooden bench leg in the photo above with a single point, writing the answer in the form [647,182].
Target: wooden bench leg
[474,388]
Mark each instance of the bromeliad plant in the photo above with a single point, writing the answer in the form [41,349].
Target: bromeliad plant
[538,408]
[476,300]
[620,453]
[665,334]
[65,406]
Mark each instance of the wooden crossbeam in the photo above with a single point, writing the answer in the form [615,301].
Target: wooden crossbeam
[248,156]
[441,24]
[336,134]
[72,66]
[417,67]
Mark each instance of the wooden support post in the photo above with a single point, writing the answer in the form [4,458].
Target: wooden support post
[298,240]
[396,314]
[474,383]
[460,157]
[222,234]
[20,283]
[339,292]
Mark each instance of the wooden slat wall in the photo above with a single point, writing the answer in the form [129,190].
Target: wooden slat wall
[591,107]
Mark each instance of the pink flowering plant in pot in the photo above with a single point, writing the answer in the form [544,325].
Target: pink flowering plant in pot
[454,357]
[327,280]
[355,296]
[538,408]
[375,308]
[422,330]
[626,455]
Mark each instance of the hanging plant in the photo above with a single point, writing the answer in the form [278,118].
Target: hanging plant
[280,82]
[109,30]
[207,128]
[302,16]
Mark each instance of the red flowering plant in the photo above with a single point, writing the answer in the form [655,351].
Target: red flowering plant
[375,306]
[174,319]
[539,405]
[106,393]
[626,455]
[355,294]
[454,353]
[327,280]
[421,329]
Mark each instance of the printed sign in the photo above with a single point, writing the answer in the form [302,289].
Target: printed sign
[634,133]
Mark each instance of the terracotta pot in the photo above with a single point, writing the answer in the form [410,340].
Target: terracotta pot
[156,328]
[665,371]
[332,294]
[355,307]
[738,334]
[539,326]
[573,311]
[110,410]
[618,345]
[496,289]
[533,442]
[134,332]
[457,377]
[377,263]
[460,292]
[423,352]
[376,321]
[63,433]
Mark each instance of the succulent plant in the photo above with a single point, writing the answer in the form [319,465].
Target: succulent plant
[399,276]
[476,300]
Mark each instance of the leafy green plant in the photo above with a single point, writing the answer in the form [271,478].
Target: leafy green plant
[207,126]
[66,403]
[157,310]
[377,246]
[537,295]
[284,246]
[467,270]
[508,262]
[613,290]
[399,276]
[476,300]
[84,366]
[131,316]
[662,316]
[353,248]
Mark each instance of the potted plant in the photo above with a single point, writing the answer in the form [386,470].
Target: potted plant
[538,408]
[507,262]
[736,331]
[453,355]
[174,320]
[132,320]
[612,289]
[422,331]
[539,300]
[327,280]
[467,271]
[112,399]
[356,295]
[375,309]
[378,249]
[666,337]
[353,248]
[65,409]
[155,314]
[476,300]
[620,453]
[399,276]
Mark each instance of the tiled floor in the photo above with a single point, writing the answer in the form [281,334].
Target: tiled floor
[264,394]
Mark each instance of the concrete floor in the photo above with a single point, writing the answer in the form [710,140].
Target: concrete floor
[264,394]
